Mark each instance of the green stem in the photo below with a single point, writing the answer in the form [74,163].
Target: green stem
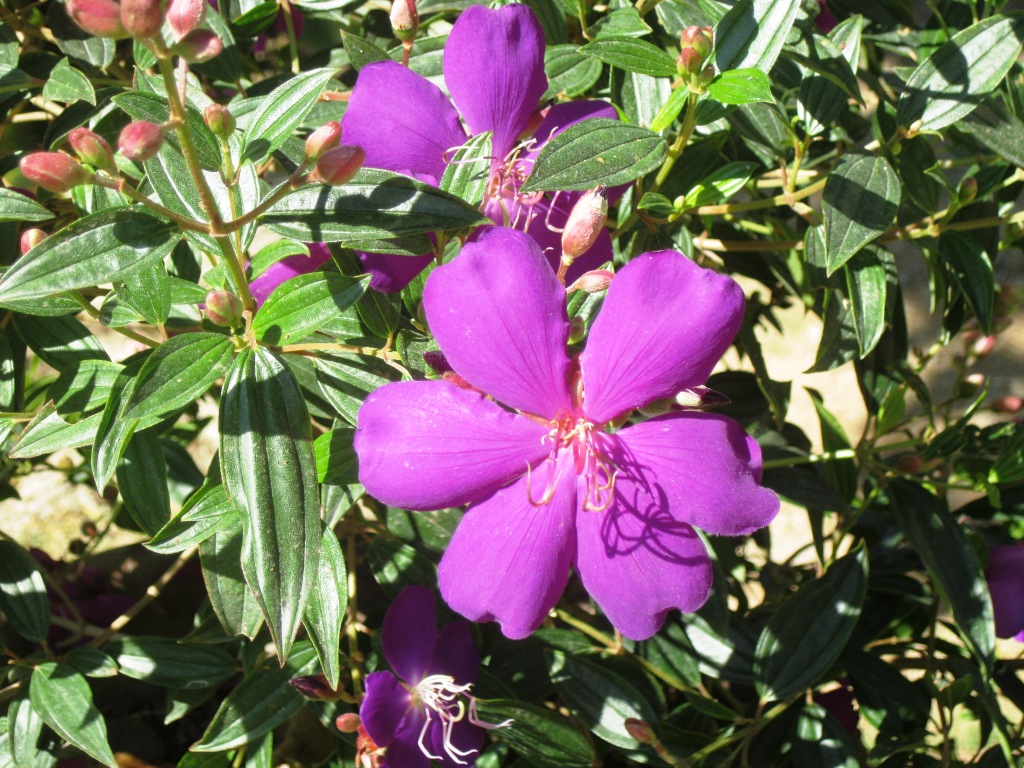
[122,186]
[95,314]
[280,191]
[581,14]
[233,259]
[293,46]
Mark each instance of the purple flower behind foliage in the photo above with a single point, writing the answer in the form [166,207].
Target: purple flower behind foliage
[551,484]
[1005,575]
[423,712]
[494,70]
[286,269]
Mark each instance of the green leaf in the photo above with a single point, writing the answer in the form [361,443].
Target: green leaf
[670,109]
[569,71]
[91,662]
[269,471]
[544,738]
[720,185]
[621,22]
[994,127]
[142,481]
[234,604]
[741,86]
[61,342]
[207,510]
[48,432]
[260,703]
[325,612]
[15,206]
[25,726]
[632,55]
[944,548]
[303,304]
[946,85]
[861,198]
[84,385]
[62,698]
[821,741]
[281,112]
[346,380]
[142,105]
[842,473]
[871,282]
[23,593]
[823,57]
[361,51]
[115,429]
[374,204]
[971,269]
[468,169]
[752,33]
[788,657]
[148,293]
[166,662]
[96,249]
[596,151]
[67,84]
[396,565]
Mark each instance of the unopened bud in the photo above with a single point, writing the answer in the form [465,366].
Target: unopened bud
[577,329]
[54,171]
[140,140]
[689,62]
[101,18]
[223,309]
[698,39]
[968,190]
[640,730]
[348,723]
[326,137]
[405,20]
[983,346]
[586,220]
[93,149]
[141,19]
[314,688]
[183,16]
[1007,404]
[219,120]
[338,166]
[198,46]
[595,281]
[30,238]
[701,399]
[972,384]
[705,78]
[909,464]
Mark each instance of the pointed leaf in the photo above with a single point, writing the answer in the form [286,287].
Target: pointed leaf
[281,112]
[23,593]
[63,699]
[166,662]
[741,86]
[972,270]
[325,612]
[861,198]
[544,738]
[232,601]
[15,206]
[632,55]
[752,33]
[67,84]
[468,170]
[303,304]
[871,282]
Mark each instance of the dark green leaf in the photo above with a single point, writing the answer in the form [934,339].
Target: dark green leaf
[303,304]
[48,432]
[234,604]
[336,460]
[361,51]
[396,565]
[971,269]
[84,386]
[346,381]
[142,481]
[632,55]
[325,611]
[91,662]
[143,105]
[62,698]
[993,126]
[61,342]
[752,33]
[741,86]
[823,57]
[469,169]
[15,206]
[544,738]
[115,429]
[281,112]
[25,726]
[67,84]
[871,282]
[569,71]
[821,741]
[621,22]
[23,593]
[148,293]
[166,662]
[207,510]
[861,198]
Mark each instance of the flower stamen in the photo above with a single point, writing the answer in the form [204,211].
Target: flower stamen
[441,697]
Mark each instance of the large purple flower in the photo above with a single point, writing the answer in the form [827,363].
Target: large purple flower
[550,483]
[494,70]
[425,711]
[1005,575]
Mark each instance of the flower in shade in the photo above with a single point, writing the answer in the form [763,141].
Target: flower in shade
[551,485]
[423,712]
[1005,575]
[494,71]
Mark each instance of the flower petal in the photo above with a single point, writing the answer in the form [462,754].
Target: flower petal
[384,706]
[465,737]
[1005,575]
[509,560]
[405,751]
[705,464]
[401,120]
[499,315]
[494,70]
[286,269]
[638,563]
[663,326]
[431,445]
[545,227]
[455,654]
[390,273]
[409,633]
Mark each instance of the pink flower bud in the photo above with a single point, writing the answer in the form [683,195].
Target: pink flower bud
[223,309]
[183,16]
[326,137]
[698,39]
[405,20]
[689,62]
[219,120]
[30,238]
[640,730]
[93,149]
[348,723]
[983,346]
[338,166]
[198,46]
[595,281]
[586,220]
[909,464]
[314,688]
[1007,404]
[140,140]
[972,384]
[54,171]
[97,17]
[141,19]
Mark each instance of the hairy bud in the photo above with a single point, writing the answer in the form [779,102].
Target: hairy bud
[348,723]
[140,140]
[223,309]
[698,39]
[595,281]
[101,18]
[30,238]
[337,166]
[183,16]
[405,20]
[141,19]
[639,730]
[93,149]
[689,62]
[198,46]
[326,137]
[219,120]
[586,220]
[54,171]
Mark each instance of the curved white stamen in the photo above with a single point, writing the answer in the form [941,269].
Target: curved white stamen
[442,698]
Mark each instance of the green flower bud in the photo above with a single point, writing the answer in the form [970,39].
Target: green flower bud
[219,120]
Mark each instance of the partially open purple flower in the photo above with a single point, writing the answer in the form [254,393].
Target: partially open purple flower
[1005,575]
[494,70]
[423,711]
[551,484]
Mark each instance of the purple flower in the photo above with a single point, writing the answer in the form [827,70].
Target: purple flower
[286,269]
[424,713]
[494,70]
[551,485]
[1005,575]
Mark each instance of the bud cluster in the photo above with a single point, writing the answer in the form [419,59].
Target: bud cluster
[143,19]
[696,44]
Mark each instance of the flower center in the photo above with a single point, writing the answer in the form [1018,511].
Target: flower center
[575,433]
[444,700]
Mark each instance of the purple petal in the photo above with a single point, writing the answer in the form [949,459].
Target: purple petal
[1005,574]
[286,269]
[664,325]
[549,218]
[509,560]
[409,632]
[384,706]
[498,313]
[494,70]
[638,563]
[431,445]
[404,751]
[455,654]
[465,737]
[390,273]
[706,466]
[401,120]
